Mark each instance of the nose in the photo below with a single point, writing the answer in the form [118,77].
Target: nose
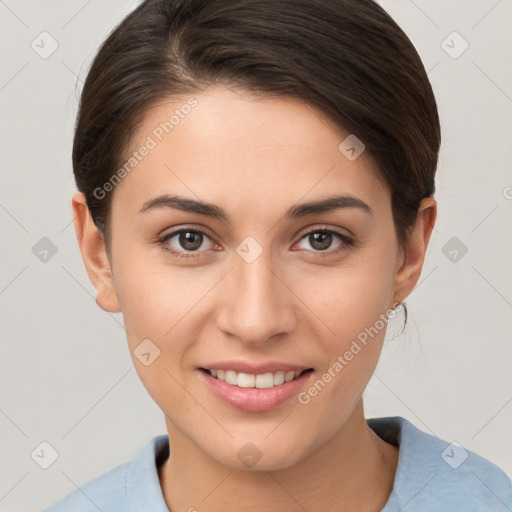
[256,303]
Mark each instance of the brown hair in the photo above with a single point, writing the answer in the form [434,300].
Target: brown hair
[347,58]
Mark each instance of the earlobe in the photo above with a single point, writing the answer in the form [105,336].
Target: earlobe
[94,255]
[415,249]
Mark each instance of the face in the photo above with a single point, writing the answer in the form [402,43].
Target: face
[269,286]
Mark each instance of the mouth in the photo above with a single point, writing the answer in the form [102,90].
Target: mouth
[260,381]
[255,392]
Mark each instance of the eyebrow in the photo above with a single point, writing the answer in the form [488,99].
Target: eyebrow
[185,204]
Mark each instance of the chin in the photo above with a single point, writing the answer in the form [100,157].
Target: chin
[260,455]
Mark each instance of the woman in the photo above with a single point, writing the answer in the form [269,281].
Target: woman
[256,185]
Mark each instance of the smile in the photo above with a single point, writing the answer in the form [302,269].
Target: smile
[260,381]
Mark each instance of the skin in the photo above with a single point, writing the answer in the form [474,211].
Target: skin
[255,158]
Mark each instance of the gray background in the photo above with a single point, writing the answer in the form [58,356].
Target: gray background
[66,374]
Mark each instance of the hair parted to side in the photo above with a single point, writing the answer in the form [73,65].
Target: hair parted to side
[347,58]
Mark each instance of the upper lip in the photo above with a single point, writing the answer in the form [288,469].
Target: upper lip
[255,369]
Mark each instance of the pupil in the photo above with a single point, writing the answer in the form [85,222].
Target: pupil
[324,239]
[187,240]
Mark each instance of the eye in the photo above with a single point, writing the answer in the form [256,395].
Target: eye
[321,239]
[187,240]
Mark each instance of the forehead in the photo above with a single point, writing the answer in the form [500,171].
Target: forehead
[227,146]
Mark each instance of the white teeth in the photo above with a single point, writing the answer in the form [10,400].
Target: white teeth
[278,378]
[245,380]
[265,380]
[231,377]
[261,381]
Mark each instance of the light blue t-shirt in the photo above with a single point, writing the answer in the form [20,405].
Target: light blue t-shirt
[432,476]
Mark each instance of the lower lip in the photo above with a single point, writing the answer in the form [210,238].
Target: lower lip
[254,399]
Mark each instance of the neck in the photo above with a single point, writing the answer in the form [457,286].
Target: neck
[354,470]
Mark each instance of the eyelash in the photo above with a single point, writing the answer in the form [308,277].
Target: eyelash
[347,241]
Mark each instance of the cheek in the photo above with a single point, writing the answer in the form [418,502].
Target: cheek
[165,305]
[155,302]
[353,305]
[352,302]
[350,297]
[154,296]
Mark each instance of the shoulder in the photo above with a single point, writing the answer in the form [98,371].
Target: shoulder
[123,487]
[102,493]
[437,475]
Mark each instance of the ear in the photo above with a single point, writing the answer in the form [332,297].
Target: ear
[415,249]
[94,254]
